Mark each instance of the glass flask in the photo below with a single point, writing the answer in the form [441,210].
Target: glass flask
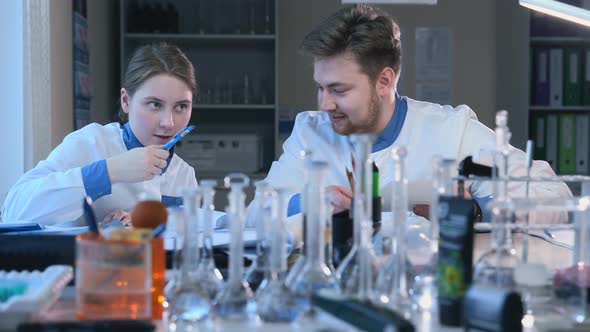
[497,265]
[235,300]
[257,270]
[190,300]
[207,271]
[294,271]
[275,301]
[392,285]
[349,269]
[315,274]
[424,291]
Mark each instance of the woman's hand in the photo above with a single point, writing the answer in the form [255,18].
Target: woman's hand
[123,216]
[136,165]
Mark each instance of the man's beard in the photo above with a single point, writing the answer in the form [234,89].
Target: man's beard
[367,126]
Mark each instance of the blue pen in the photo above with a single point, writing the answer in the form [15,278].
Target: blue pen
[178,137]
[159,230]
[90,216]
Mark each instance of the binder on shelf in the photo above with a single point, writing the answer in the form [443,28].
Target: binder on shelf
[572,87]
[538,136]
[556,77]
[551,141]
[582,143]
[567,144]
[586,78]
[540,74]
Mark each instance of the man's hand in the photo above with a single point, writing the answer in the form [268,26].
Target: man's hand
[340,197]
[422,210]
[136,165]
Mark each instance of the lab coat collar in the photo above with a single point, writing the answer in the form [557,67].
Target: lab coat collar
[394,127]
[131,142]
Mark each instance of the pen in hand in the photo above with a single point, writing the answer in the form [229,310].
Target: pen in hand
[90,216]
[178,137]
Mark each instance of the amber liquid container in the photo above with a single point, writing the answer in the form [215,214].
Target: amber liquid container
[113,278]
[158,277]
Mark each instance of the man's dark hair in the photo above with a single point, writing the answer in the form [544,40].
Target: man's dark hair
[367,32]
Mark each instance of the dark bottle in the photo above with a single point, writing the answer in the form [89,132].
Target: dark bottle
[455,257]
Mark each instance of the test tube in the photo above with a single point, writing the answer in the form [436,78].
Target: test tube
[235,301]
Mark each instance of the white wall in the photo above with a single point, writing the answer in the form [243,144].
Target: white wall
[37,82]
[11,94]
[474,53]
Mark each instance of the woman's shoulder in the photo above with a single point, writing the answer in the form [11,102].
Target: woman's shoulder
[95,133]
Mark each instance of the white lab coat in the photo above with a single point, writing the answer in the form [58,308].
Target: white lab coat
[51,193]
[428,130]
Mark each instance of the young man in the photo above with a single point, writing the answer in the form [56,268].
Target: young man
[357,64]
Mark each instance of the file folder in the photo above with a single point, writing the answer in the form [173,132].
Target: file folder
[582,143]
[586,78]
[572,84]
[540,75]
[567,144]
[551,141]
[538,136]
[556,77]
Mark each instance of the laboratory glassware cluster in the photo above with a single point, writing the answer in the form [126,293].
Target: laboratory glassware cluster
[377,268]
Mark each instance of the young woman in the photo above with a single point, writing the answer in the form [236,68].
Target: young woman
[117,164]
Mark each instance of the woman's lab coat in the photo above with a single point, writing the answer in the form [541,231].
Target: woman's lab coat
[428,130]
[51,193]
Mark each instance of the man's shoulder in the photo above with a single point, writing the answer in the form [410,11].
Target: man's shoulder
[428,109]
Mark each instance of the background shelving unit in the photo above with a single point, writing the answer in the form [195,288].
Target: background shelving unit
[233,46]
[559,111]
